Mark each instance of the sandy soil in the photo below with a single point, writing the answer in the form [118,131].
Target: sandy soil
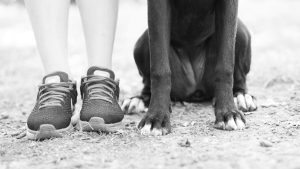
[272,137]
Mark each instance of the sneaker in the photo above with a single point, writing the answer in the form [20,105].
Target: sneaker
[100,109]
[51,116]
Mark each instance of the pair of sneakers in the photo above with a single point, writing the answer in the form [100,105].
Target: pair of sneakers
[54,115]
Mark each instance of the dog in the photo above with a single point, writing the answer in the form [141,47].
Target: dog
[193,51]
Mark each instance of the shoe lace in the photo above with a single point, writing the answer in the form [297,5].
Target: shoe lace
[99,88]
[53,94]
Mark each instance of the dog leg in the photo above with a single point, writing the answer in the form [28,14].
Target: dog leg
[228,117]
[157,119]
[243,101]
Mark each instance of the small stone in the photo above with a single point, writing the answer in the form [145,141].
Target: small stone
[21,135]
[85,138]
[265,143]
[4,116]
[185,124]
[184,143]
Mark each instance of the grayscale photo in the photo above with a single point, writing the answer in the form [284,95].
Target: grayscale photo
[149,84]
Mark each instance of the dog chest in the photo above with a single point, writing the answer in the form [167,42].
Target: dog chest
[192,23]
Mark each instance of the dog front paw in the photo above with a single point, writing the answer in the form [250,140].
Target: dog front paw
[155,123]
[229,119]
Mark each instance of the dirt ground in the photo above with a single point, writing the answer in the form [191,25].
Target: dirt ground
[272,137]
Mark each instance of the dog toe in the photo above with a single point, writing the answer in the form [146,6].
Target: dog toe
[239,123]
[220,125]
[230,124]
[146,130]
[241,103]
[125,104]
[133,105]
[141,107]
[251,103]
[157,132]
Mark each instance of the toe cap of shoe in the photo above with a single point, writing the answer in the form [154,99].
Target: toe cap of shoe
[111,113]
[54,116]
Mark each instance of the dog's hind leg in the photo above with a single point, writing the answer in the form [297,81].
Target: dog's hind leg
[243,100]
[183,78]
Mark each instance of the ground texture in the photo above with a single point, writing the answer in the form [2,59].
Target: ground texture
[272,137]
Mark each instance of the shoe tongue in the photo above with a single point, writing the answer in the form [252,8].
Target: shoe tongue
[56,77]
[101,72]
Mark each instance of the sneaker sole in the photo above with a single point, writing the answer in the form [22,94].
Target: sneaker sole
[97,124]
[47,131]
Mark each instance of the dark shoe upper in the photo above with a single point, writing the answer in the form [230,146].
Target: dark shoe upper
[100,94]
[55,102]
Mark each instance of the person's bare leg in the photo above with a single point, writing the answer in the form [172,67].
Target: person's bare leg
[49,20]
[99,19]
[53,114]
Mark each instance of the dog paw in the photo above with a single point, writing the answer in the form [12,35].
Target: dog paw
[133,106]
[231,119]
[155,124]
[245,102]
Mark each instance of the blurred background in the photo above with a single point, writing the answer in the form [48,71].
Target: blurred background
[275,29]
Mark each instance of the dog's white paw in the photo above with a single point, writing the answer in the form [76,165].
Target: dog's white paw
[245,102]
[147,131]
[134,105]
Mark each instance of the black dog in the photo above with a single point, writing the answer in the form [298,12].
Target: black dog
[193,50]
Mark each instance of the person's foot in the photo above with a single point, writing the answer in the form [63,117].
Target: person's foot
[100,93]
[51,116]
